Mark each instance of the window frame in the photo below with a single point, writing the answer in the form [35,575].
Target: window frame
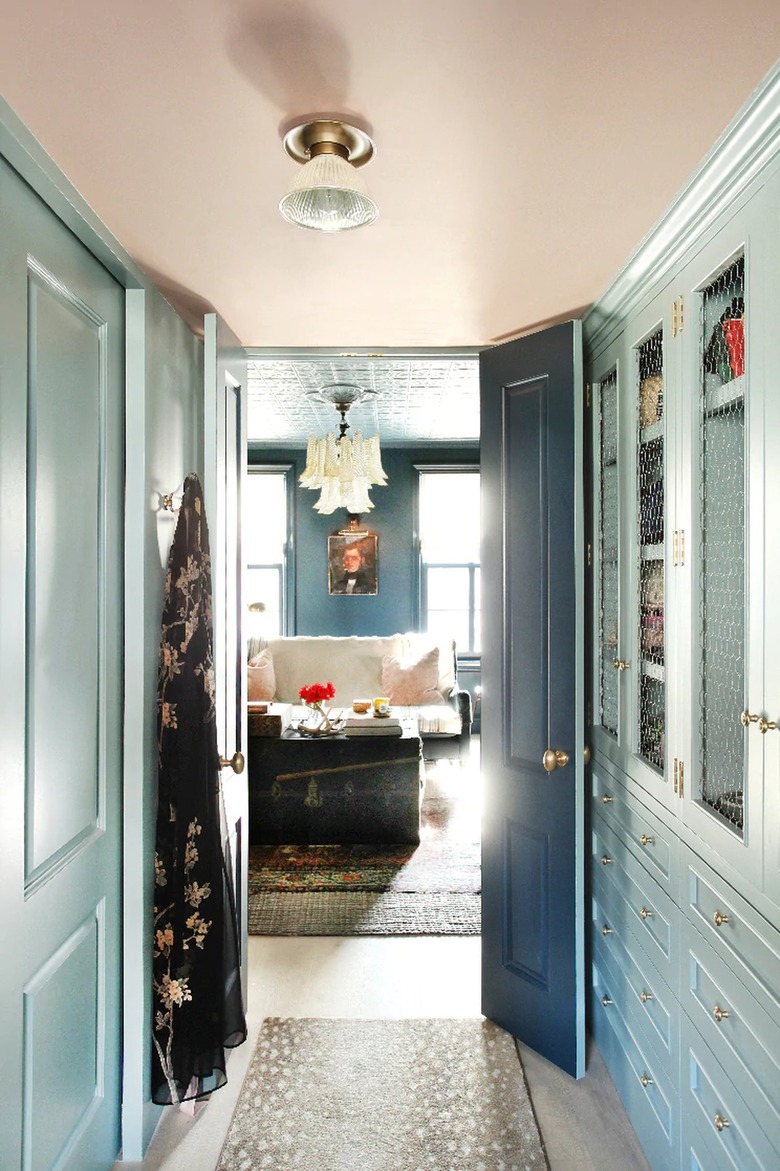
[287,565]
[465,467]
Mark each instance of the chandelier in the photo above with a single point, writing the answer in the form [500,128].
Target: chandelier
[343,469]
[328,194]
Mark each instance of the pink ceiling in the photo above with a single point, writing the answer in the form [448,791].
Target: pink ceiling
[524,147]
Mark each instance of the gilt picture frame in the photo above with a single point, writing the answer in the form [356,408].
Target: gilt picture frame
[352,564]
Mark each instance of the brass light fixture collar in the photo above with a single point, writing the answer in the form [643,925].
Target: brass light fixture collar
[329,136]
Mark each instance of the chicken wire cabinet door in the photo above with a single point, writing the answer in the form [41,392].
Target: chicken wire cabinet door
[723,560]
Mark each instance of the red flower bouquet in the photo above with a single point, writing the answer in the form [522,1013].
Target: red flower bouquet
[312,693]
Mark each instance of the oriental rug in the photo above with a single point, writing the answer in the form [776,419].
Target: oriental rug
[429,889]
[383,1095]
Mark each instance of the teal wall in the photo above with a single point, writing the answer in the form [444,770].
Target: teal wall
[395,606]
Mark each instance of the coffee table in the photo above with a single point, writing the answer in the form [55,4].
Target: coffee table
[335,789]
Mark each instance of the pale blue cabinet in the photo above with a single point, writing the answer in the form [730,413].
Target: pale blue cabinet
[685,685]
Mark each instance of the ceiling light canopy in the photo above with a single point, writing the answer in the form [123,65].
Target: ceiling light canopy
[328,194]
[343,469]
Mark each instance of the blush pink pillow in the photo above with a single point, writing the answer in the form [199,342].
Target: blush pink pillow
[412,682]
[260,677]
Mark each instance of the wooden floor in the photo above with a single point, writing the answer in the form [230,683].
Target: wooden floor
[583,1123]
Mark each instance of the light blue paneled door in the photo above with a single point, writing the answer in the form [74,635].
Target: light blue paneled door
[533,848]
[61,540]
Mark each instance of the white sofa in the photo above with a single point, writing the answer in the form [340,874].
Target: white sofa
[360,667]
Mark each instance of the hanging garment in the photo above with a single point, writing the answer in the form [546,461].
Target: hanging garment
[197,1000]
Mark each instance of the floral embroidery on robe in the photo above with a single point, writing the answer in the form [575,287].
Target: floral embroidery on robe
[198,1008]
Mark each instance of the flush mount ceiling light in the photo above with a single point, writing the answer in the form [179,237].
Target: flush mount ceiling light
[328,193]
[343,469]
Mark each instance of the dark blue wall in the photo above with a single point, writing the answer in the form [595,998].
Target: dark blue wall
[395,606]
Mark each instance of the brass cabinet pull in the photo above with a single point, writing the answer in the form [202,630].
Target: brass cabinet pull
[607,930]
[236,762]
[620,664]
[645,996]
[720,1122]
[764,725]
[645,1080]
[605,860]
[605,1001]
[719,919]
[645,840]
[645,914]
[555,758]
[607,799]
[719,1013]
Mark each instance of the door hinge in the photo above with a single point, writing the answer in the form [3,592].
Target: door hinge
[681,789]
[679,777]
[590,554]
[587,394]
[677,316]
[678,547]
[675,773]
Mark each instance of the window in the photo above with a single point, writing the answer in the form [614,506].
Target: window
[449,555]
[265,537]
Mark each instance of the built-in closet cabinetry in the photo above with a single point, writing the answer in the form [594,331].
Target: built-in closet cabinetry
[685,771]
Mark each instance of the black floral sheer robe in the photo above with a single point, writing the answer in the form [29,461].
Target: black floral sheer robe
[197,1001]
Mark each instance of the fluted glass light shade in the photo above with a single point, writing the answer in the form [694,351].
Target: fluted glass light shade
[328,193]
[343,469]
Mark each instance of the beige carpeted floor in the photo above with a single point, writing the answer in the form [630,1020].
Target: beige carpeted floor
[383,1095]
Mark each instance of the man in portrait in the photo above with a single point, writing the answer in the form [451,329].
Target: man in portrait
[352,569]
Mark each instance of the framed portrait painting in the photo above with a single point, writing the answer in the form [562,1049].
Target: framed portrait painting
[352,564]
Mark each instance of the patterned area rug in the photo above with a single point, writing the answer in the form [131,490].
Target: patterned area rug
[389,1095]
[429,889]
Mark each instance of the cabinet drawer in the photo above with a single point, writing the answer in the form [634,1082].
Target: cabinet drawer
[741,937]
[739,1026]
[646,911]
[647,1091]
[643,996]
[651,842]
[718,1128]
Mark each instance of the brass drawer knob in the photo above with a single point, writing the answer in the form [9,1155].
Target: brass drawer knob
[645,996]
[620,664]
[607,799]
[645,840]
[606,930]
[605,860]
[719,1013]
[605,1001]
[644,913]
[720,1122]
[645,1080]
[765,725]
[719,919]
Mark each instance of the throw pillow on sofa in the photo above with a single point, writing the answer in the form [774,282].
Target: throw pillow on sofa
[261,680]
[412,682]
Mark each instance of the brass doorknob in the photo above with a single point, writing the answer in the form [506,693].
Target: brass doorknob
[236,762]
[555,758]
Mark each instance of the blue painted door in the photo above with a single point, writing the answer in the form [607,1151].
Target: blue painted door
[61,540]
[533,681]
